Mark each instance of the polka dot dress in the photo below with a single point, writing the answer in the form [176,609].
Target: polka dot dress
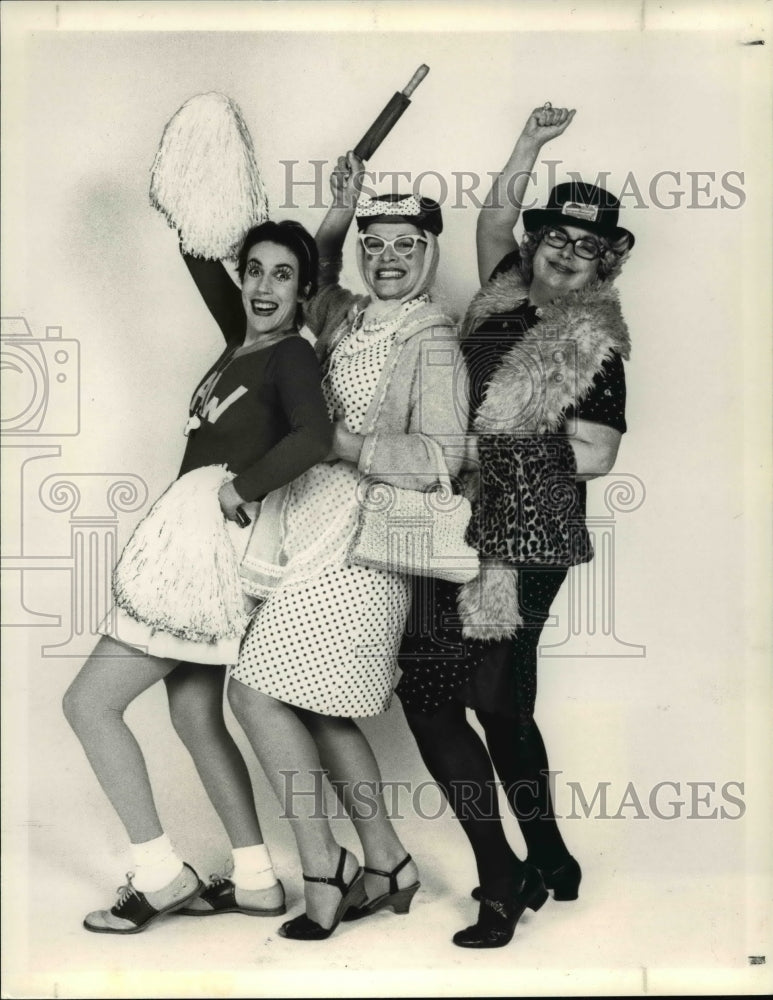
[434,656]
[329,644]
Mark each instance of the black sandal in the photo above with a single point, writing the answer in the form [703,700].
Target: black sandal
[303,928]
[398,899]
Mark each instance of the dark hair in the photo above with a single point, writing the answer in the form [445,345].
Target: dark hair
[613,254]
[296,238]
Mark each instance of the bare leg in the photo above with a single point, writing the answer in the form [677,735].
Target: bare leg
[288,755]
[346,754]
[195,694]
[94,705]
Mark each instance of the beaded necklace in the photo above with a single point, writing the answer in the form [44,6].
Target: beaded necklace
[366,331]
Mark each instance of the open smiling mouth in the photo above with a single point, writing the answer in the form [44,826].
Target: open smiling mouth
[261,307]
[390,273]
[561,268]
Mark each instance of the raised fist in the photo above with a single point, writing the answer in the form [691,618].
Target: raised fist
[546,123]
[346,179]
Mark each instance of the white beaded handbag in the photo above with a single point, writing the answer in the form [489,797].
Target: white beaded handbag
[415,532]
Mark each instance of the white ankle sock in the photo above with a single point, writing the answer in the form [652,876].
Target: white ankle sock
[155,864]
[252,867]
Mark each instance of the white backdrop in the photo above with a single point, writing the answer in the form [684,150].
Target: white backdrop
[85,102]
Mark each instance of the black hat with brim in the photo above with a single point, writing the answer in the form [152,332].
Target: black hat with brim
[575,203]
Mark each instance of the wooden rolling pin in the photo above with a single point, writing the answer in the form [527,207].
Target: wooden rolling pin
[386,121]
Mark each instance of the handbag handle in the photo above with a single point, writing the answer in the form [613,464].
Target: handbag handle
[436,450]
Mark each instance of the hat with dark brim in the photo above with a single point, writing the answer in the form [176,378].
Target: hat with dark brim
[412,209]
[575,203]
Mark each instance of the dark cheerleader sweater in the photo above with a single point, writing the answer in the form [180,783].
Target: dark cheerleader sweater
[261,411]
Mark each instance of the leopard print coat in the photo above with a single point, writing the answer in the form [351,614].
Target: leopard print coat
[525,494]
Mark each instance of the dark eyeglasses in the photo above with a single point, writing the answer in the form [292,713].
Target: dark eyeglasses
[584,246]
[402,245]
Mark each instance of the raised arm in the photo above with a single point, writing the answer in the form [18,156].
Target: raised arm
[220,294]
[327,309]
[502,208]
[595,448]
[345,184]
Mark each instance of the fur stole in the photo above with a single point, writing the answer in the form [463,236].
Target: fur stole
[552,366]
[549,369]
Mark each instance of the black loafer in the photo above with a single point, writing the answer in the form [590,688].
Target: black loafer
[497,918]
[563,882]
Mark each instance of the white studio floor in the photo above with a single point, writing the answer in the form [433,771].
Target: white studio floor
[653,917]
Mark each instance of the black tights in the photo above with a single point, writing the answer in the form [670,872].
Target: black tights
[521,762]
[459,762]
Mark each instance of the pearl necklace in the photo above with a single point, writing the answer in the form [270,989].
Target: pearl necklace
[365,332]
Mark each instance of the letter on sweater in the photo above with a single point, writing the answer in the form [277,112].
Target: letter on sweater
[214,407]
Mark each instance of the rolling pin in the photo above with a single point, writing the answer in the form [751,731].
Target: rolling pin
[386,121]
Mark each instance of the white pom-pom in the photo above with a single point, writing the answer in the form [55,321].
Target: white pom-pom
[179,572]
[205,180]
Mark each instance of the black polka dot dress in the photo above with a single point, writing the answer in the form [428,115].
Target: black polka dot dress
[439,664]
[327,638]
